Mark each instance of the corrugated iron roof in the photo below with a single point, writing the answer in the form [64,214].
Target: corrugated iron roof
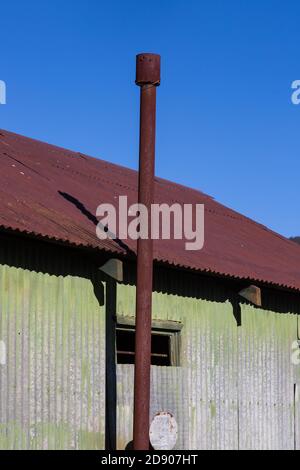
[51,192]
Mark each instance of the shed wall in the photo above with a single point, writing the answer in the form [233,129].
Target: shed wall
[235,386]
[52,381]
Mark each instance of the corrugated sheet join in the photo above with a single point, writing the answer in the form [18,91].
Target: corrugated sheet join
[53,193]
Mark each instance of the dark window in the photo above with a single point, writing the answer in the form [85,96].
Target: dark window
[125,346]
[160,350]
[164,346]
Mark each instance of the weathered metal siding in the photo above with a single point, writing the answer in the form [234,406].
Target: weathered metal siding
[267,380]
[202,393]
[168,385]
[235,386]
[52,387]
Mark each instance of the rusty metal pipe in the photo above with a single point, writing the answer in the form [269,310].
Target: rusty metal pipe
[147,77]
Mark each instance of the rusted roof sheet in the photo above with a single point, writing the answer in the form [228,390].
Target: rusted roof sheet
[51,192]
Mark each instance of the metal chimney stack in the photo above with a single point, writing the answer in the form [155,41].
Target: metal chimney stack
[147,78]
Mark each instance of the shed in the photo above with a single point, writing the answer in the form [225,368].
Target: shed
[224,367]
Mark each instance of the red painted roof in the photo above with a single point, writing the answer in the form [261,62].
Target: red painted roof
[50,192]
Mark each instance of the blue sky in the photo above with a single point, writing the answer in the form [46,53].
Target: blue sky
[226,124]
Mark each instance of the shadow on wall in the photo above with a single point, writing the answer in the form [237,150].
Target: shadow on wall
[110,336]
[212,288]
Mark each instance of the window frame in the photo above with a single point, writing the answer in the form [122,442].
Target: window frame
[171,329]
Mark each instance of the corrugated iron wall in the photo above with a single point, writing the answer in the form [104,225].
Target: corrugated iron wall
[52,384]
[235,385]
[168,393]
[267,380]
[234,388]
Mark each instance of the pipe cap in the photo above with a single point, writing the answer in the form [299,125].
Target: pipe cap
[147,69]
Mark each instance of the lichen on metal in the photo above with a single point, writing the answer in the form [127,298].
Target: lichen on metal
[235,388]
[52,393]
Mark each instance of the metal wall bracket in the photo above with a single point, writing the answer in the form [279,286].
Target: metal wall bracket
[253,294]
[114,269]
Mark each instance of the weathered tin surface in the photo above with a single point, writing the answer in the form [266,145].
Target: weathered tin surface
[235,385]
[52,387]
[168,386]
[202,392]
[267,380]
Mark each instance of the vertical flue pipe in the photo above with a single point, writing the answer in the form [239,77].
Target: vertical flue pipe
[148,78]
